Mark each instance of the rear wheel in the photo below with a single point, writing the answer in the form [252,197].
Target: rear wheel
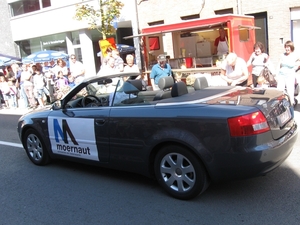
[35,148]
[180,172]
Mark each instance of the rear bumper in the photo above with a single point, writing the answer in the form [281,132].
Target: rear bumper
[254,162]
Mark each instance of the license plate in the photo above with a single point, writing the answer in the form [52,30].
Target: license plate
[284,117]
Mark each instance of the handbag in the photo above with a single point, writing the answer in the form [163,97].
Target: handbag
[266,73]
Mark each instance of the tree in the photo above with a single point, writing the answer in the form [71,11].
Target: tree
[100,19]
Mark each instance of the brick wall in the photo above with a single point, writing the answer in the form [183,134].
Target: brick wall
[279,25]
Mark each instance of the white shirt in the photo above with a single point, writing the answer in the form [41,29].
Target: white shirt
[237,72]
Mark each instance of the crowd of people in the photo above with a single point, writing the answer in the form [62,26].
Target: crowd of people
[38,84]
[234,70]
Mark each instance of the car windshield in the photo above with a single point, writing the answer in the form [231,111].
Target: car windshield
[105,92]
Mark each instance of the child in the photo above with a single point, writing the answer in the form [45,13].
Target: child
[5,90]
[71,81]
[261,82]
[13,94]
[61,80]
[39,82]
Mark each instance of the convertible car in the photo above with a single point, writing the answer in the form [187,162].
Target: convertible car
[184,137]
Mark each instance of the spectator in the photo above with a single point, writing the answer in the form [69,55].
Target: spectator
[61,66]
[71,81]
[24,73]
[110,68]
[77,69]
[5,90]
[258,60]
[130,66]
[26,78]
[159,70]
[10,75]
[261,82]
[105,59]
[61,81]
[119,62]
[234,70]
[39,82]
[288,64]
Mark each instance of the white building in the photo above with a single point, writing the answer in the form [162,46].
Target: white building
[49,25]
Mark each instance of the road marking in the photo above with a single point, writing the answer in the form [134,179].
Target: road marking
[11,144]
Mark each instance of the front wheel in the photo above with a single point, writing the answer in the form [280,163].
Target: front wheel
[180,172]
[35,148]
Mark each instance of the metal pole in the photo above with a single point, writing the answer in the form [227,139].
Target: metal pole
[135,31]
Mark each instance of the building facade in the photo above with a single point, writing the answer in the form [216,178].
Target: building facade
[7,45]
[279,20]
[37,25]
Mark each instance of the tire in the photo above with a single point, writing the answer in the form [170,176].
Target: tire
[35,148]
[180,172]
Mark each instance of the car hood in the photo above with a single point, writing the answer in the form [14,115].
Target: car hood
[38,113]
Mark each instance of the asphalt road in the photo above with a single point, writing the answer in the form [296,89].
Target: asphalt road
[69,193]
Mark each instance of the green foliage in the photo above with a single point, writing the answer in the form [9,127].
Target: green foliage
[100,19]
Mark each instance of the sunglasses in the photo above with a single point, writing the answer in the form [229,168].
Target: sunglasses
[73,58]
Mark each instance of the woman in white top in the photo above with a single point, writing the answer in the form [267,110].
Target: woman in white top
[288,65]
[234,70]
[258,60]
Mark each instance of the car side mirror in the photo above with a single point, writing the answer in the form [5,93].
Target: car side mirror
[105,81]
[56,105]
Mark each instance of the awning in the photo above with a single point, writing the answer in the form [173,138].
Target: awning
[249,27]
[190,28]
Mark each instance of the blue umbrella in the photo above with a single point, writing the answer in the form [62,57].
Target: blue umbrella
[123,49]
[3,60]
[45,56]
[7,60]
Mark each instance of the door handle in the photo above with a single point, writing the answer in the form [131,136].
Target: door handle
[100,121]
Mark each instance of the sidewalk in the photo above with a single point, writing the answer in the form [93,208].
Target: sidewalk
[21,110]
[17,111]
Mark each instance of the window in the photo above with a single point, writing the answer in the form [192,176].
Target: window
[190,17]
[56,42]
[156,23]
[224,11]
[244,34]
[26,6]
[154,43]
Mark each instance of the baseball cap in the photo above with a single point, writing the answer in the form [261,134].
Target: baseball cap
[161,58]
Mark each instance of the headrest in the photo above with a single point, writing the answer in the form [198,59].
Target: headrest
[165,82]
[200,83]
[179,89]
[132,86]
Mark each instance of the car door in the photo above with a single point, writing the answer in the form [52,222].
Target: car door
[81,133]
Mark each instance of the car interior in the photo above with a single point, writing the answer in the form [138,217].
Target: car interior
[130,92]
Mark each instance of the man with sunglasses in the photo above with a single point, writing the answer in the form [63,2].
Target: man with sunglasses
[76,69]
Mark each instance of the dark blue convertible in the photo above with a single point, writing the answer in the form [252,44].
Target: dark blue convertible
[184,137]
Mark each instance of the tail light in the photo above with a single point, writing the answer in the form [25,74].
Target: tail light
[250,124]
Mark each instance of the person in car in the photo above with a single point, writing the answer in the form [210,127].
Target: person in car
[159,70]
